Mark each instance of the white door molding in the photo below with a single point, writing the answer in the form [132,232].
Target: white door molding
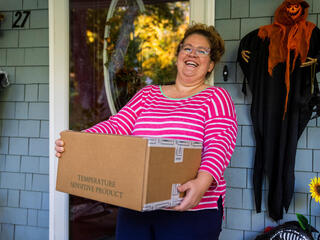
[203,11]
[58,111]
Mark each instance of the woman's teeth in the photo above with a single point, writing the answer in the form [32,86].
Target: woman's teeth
[191,63]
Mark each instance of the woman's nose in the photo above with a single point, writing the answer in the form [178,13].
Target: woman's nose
[193,53]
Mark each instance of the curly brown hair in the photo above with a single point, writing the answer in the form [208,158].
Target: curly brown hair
[215,41]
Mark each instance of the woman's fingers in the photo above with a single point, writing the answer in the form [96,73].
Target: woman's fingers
[58,155]
[59,142]
[59,147]
[192,197]
[194,189]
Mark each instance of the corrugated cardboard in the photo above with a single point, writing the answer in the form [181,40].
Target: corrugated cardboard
[127,171]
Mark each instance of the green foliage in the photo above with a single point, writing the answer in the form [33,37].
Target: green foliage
[173,13]
[303,221]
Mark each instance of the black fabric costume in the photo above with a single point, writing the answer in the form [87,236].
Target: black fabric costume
[277,131]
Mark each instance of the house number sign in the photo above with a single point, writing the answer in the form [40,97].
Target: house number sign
[20,19]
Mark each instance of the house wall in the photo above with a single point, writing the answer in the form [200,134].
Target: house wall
[234,19]
[24,120]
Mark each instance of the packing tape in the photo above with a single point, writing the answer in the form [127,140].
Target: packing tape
[174,201]
[179,146]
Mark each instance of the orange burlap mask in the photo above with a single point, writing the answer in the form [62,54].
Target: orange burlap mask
[294,10]
[289,32]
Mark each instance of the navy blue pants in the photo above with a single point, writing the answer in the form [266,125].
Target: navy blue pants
[169,225]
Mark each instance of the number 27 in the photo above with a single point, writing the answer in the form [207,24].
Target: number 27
[20,22]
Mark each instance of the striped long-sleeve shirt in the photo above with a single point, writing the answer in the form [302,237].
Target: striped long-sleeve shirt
[208,116]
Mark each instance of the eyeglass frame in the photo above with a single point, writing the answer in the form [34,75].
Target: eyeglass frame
[198,50]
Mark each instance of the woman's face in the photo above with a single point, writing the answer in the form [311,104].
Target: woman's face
[194,61]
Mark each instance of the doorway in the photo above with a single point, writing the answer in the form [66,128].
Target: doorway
[116,48]
[59,78]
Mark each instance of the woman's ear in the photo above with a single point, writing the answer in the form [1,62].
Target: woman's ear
[211,66]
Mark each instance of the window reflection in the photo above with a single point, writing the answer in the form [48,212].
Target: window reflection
[111,58]
[141,47]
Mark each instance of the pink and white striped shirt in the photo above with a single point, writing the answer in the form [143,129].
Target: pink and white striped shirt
[208,116]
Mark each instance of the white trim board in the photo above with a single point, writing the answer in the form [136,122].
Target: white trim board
[58,111]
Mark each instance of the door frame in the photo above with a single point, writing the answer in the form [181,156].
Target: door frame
[200,11]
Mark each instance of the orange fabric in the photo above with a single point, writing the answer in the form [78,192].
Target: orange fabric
[286,34]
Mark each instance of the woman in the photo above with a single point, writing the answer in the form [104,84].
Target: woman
[188,110]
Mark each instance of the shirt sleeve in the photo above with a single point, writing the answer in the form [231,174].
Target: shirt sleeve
[123,122]
[219,135]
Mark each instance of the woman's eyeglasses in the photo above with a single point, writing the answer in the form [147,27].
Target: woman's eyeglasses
[199,51]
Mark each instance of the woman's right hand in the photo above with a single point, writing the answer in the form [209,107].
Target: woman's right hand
[59,147]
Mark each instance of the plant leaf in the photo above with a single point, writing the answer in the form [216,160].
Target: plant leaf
[303,221]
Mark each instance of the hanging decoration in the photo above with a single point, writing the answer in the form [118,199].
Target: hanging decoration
[279,62]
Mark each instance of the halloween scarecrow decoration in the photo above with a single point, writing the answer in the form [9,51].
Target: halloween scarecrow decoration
[279,62]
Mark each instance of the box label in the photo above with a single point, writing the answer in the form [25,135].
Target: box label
[96,185]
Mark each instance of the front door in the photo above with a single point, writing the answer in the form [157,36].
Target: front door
[116,48]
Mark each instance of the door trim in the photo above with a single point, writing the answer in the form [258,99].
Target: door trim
[58,111]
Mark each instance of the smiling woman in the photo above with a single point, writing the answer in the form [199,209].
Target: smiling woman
[189,109]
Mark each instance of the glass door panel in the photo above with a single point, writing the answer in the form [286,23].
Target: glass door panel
[116,48]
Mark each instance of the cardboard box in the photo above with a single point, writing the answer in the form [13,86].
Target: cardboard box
[133,172]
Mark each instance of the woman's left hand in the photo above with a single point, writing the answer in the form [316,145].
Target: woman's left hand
[195,189]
